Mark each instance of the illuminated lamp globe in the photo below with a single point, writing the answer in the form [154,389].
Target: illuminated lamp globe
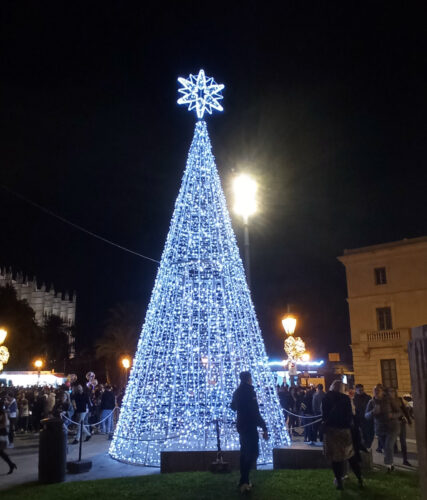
[38,363]
[289,323]
[305,358]
[245,189]
[3,335]
[126,363]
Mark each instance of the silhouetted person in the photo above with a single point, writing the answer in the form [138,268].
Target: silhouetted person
[361,400]
[4,440]
[338,445]
[248,421]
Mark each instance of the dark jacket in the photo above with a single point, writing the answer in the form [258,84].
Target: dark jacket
[108,401]
[318,397]
[387,417]
[82,402]
[336,410]
[246,405]
[360,404]
[286,400]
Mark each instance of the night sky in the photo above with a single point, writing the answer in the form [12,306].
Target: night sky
[325,103]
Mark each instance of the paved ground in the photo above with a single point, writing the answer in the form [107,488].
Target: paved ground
[25,455]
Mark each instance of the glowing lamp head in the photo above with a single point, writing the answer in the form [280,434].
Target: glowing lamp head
[305,358]
[245,189]
[3,335]
[126,363]
[289,323]
[38,363]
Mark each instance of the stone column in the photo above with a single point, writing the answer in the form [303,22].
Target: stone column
[417,350]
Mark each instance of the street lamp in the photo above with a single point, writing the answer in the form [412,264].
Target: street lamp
[289,323]
[126,366]
[38,363]
[3,335]
[245,205]
[4,352]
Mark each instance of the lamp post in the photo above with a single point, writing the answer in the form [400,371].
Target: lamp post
[38,363]
[4,352]
[3,335]
[245,189]
[126,366]
[294,346]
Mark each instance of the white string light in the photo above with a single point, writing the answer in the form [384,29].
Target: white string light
[200,332]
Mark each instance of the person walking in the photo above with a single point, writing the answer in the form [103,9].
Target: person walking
[248,420]
[108,403]
[317,410]
[307,409]
[24,414]
[4,440]
[361,400]
[405,419]
[81,403]
[338,447]
[12,410]
[384,409]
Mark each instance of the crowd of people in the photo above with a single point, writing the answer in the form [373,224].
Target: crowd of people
[347,423]
[22,410]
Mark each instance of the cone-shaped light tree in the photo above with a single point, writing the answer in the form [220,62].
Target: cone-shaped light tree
[200,329]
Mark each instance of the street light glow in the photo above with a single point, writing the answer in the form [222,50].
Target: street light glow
[289,323]
[3,335]
[38,363]
[126,363]
[245,189]
[305,357]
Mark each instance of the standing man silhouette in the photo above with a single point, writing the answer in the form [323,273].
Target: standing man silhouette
[248,421]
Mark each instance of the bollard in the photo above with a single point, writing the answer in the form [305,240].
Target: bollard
[79,466]
[52,451]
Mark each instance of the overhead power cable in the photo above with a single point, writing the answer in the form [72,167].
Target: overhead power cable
[76,226]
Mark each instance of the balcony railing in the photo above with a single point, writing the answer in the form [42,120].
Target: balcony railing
[385,336]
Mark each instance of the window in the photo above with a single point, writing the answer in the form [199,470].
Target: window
[384,318]
[389,373]
[380,276]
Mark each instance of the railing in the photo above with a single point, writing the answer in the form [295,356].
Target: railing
[384,336]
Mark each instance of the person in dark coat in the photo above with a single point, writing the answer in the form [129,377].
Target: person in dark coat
[108,403]
[361,400]
[317,410]
[337,416]
[248,421]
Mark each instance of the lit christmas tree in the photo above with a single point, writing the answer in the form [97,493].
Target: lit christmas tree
[200,330]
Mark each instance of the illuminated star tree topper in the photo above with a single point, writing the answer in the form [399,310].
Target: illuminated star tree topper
[201,93]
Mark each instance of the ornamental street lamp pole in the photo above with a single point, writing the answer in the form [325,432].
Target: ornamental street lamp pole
[38,363]
[126,366]
[245,189]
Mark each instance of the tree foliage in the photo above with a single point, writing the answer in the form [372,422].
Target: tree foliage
[120,337]
[55,343]
[24,339]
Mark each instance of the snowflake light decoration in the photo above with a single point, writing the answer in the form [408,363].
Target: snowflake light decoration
[294,348]
[201,93]
[4,354]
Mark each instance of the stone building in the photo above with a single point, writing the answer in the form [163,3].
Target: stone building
[387,296]
[44,302]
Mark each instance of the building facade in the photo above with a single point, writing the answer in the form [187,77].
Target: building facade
[387,296]
[44,302]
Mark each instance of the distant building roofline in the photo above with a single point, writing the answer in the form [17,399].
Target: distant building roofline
[385,246]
